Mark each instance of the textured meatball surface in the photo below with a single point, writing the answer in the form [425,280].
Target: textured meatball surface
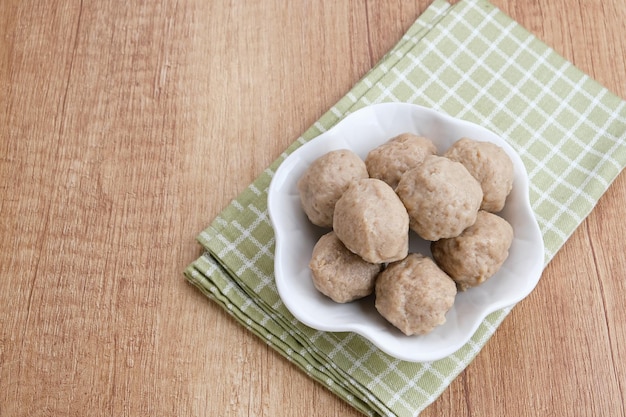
[340,274]
[414,294]
[478,253]
[441,197]
[372,222]
[325,180]
[393,158]
[490,165]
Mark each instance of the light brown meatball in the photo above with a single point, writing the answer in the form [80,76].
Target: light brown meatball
[325,180]
[414,294]
[478,253]
[372,222]
[441,196]
[340,274]
[393,158]
[490,165]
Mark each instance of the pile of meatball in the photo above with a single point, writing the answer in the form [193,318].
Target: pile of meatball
[403,186]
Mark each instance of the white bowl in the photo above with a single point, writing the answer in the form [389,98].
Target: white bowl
[360,132]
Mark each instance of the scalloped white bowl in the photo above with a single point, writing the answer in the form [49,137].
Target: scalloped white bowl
[361,132]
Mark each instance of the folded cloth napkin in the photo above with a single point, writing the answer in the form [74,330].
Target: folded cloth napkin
[471,61]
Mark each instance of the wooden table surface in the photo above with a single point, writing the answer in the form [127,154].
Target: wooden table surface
[125,127]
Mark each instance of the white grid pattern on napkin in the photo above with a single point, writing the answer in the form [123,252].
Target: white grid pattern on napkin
[435,65]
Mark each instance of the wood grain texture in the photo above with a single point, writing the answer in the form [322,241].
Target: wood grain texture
[125,127]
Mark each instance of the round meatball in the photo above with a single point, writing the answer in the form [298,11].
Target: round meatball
[340,274]
[393,158]
[372,222]
[414,294]
[441,197]
[325,180]
[478,253]
[490,165]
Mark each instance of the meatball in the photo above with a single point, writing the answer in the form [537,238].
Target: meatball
[478,253]
[340,274]
[414,294]
[372,222]
[325,181]
[441,197]
[393,158]
[490,165]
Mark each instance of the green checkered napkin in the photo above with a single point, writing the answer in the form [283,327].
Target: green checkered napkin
[473,62]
